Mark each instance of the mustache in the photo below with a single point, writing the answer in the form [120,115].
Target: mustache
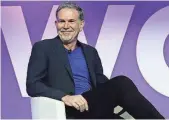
[64,30]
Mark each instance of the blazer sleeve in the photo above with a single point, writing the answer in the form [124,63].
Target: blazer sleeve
[37,72]
[100,77]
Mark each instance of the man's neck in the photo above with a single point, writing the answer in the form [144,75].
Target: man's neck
[71,46]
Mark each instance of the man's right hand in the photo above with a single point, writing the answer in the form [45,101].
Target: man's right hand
[76,101]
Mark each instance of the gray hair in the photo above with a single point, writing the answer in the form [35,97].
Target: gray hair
[71,5]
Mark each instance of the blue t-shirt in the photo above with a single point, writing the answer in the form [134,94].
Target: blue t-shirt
[79,70]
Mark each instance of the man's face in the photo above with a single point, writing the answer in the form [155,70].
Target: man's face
[68,25]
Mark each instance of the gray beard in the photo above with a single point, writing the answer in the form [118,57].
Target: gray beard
[66,42]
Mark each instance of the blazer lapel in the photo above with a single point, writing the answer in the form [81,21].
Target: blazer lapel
[87,54]
[62,54]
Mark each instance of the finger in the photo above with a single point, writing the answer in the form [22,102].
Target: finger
[81,105]
[79,102]
[76,105]
[86,104]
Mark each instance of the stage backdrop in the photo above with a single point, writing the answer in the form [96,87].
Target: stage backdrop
[132,39]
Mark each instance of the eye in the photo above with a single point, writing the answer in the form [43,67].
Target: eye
[71,21]
[61,21]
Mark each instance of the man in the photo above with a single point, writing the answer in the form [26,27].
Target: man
[65,69]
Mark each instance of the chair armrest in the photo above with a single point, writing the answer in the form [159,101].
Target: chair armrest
[47,108]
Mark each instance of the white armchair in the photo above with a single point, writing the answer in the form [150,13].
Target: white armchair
[46,108]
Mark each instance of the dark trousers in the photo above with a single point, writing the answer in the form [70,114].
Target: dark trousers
[117,91]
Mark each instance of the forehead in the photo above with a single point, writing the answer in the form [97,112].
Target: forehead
[68,13]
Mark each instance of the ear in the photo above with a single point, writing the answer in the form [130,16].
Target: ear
[56,23]
[82,23]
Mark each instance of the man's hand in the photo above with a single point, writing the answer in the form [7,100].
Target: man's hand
[77,101]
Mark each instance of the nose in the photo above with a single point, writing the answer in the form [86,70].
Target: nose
[66,25]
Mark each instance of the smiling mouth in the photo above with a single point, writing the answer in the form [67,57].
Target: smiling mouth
[66,32]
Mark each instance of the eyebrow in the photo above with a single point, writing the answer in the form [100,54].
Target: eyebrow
[68,20]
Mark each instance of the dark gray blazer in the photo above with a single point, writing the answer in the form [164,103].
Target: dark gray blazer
[49,73]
